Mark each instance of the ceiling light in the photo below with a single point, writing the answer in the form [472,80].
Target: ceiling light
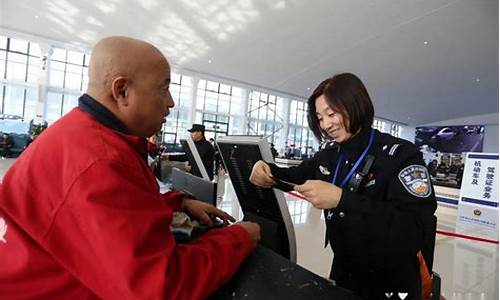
[36,17]
[209,61]
[308,89]
[477,79]
[426,42]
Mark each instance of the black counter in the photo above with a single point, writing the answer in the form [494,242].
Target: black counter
[267,275]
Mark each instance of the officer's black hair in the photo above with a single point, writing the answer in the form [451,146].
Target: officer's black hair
[346,94]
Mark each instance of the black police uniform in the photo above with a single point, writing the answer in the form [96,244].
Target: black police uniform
[207,154]
[384,217]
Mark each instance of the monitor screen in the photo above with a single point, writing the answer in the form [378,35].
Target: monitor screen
[199,188]
[261,205]
[194,158]
[450,139]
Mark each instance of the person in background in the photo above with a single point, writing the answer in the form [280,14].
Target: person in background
[5,144]
[432,167]
[153,152]
[375,191]
[442,168]
[274,152]
[86,220]
[152,146]
[205,150]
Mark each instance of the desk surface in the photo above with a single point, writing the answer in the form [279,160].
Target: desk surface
[266,275]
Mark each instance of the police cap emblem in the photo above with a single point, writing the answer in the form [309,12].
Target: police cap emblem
[416,180]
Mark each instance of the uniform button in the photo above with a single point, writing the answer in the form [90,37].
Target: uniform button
[351,189]
[341,214]
[346,162]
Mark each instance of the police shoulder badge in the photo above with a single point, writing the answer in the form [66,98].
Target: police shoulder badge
[416,180]
[324,170]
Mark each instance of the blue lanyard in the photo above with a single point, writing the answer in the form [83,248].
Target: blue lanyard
[356,165]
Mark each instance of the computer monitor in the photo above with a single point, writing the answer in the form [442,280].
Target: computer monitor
[201,189]
[194,157]
[265,206]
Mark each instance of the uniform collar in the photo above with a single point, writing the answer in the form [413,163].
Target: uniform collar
[106,118]
[356,143]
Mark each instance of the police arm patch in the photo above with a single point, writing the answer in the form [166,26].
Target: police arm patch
[416,180]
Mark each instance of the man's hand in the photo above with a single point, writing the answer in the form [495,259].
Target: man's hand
[320,194]
[253,230]
[205,212]
[261,175]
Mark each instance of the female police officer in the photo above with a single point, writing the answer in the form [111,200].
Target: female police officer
[374,188]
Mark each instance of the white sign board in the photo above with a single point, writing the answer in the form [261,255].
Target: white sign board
[478,203]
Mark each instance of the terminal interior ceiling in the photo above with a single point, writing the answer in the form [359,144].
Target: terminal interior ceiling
[423,61]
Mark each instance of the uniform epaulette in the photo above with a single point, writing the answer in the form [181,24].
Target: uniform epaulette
[391,150]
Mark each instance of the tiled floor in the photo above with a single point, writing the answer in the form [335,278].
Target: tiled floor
[469,269]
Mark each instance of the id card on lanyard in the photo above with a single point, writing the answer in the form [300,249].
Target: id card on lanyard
[352,170]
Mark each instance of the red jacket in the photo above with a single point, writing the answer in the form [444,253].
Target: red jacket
[81,217]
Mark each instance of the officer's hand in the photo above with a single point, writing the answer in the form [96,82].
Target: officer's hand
[205,212]
[261,175]
[320,194]
[253,230]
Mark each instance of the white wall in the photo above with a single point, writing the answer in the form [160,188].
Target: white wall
[490,129]
[408,133]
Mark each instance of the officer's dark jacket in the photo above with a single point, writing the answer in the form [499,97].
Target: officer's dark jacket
[207,154]
[381,226]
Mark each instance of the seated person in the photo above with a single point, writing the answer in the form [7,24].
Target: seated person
[5,144]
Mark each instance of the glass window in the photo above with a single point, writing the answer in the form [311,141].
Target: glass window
[19,64]
[13,103]
[68,70]
[299,135]
[264,116]
[69,102]
[175,78]
[395,130]
[56,75]
[75,58]
[35,50]
[85,79]
[33,72]
[73,78]
[54,106]
[3,42]
[225,89]
[58,54]
[18,45]
[3,61]
[178,121]
[16,66]
[212,86]
[30,104]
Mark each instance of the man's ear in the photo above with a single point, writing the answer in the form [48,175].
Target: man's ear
[119,89]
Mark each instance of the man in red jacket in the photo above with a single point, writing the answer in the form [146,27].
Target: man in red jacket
[81,216]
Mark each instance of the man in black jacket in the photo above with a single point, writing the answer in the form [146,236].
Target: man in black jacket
[205,149]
